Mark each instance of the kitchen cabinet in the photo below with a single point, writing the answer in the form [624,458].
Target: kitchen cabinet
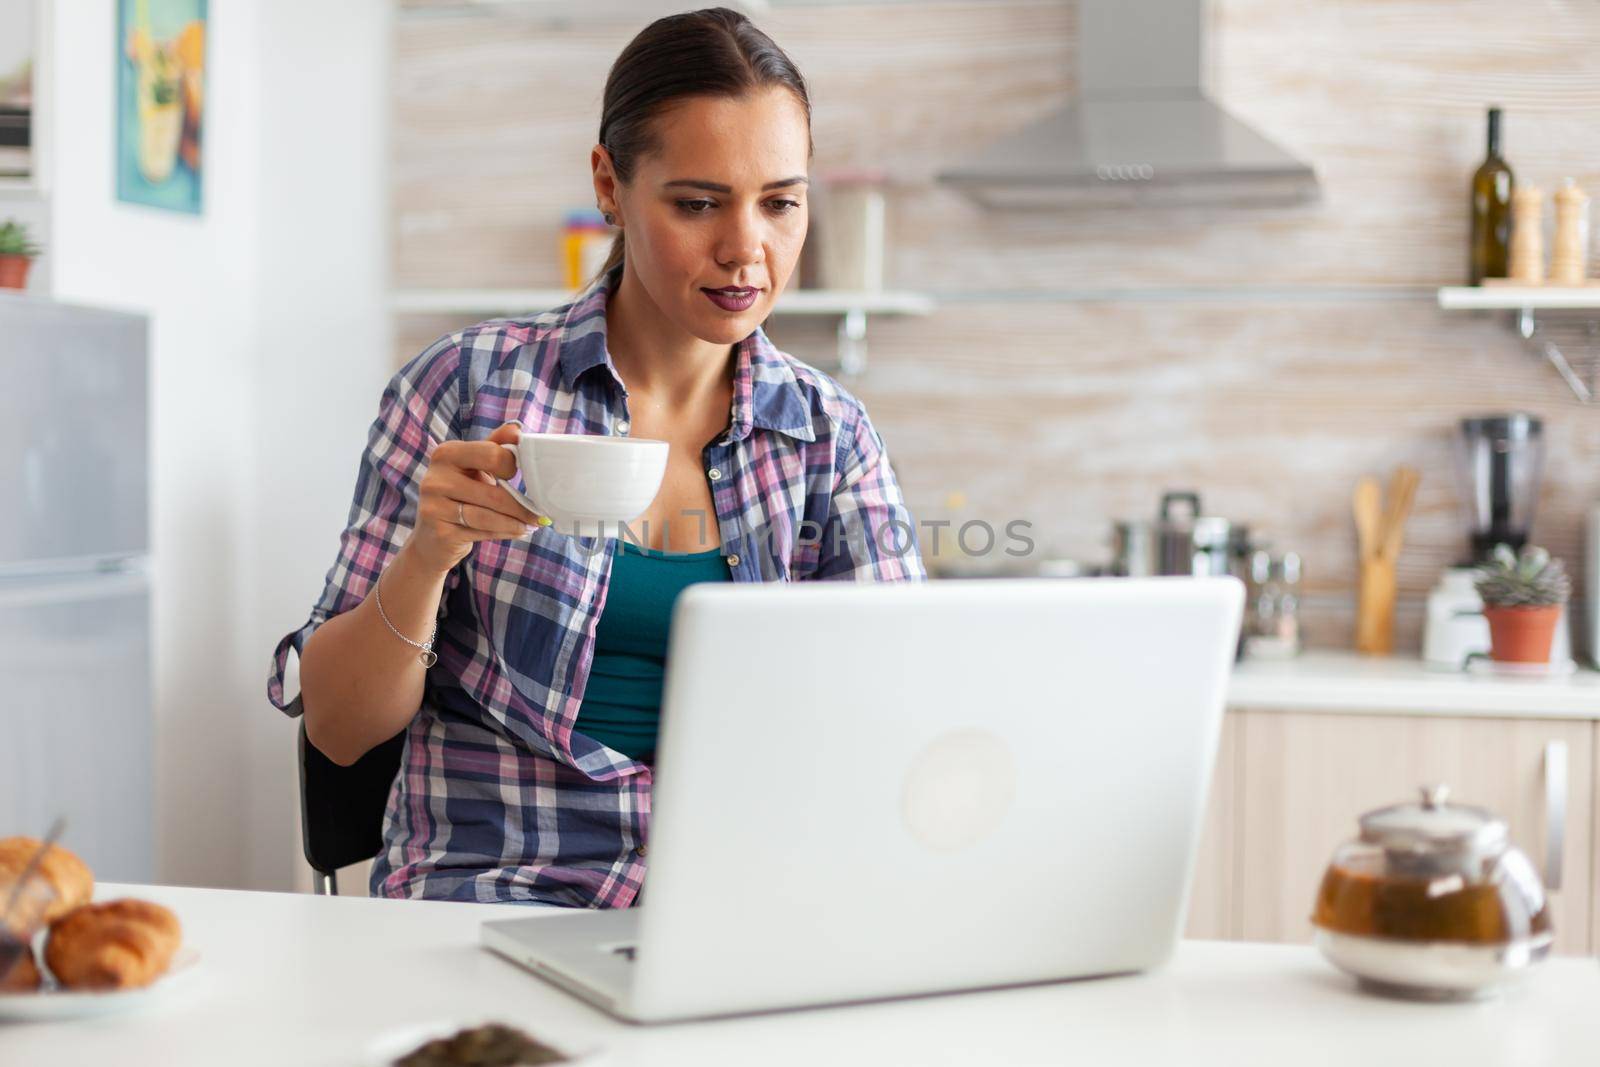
[1313,742]
[1211,912]
[1304,777]
[1594,857]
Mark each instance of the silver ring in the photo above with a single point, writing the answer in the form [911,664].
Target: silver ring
[461,513]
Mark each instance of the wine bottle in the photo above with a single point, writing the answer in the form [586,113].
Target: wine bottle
[1491,210]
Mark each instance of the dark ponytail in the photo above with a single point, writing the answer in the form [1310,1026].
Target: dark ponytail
[712,52]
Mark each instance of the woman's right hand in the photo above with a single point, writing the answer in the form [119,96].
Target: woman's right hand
[459,486]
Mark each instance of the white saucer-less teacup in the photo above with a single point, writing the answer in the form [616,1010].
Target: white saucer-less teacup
[586,485]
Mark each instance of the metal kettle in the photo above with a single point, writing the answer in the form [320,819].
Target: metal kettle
[1181,540]
[1432,900]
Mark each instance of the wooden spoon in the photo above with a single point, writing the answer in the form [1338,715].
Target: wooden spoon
[1402,494]
[1368,507]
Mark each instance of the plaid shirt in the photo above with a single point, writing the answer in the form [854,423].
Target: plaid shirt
[498,799]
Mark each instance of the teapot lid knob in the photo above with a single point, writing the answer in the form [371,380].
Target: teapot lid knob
[1433,825]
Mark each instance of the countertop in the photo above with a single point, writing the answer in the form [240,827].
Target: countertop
[1348,682]
[304,980]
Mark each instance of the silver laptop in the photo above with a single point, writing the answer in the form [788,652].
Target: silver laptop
[875,791]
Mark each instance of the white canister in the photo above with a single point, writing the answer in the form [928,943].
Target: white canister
[851,234]
[1456,629]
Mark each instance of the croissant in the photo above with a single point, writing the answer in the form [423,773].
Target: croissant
[64,872]
[23,977]
[121,944]
[143,911]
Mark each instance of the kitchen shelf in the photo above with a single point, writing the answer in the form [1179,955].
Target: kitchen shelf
[851,307]
[1189,294]
[556,12]
[1555,339]
[1515,298]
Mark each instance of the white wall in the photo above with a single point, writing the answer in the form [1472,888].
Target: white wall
[324,346]
[24,32]
[268,351]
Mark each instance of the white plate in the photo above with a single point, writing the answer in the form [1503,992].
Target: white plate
[52,1003]
[385,1050]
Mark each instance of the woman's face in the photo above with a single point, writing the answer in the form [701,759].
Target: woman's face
[722,205]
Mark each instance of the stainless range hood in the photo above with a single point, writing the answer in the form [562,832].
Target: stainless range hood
[1141,130]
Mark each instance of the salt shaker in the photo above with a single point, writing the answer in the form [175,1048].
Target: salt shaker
[1568,256]
[1288,614]
[1275,614]
[1527,235]
[1259,619]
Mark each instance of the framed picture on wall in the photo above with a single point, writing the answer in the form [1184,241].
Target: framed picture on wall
[161,66]
[17,37]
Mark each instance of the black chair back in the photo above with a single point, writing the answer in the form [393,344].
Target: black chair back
[341,808]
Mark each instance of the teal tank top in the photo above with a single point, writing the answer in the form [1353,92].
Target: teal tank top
[621,706]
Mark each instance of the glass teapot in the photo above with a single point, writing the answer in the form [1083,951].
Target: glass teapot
[1432,900]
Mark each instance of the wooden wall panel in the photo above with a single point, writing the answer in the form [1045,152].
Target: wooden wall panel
[1066,415]
[1311,354]
[494,116]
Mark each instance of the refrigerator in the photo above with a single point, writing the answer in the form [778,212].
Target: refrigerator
[76,728]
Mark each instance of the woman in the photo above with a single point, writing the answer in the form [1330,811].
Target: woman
[527,766]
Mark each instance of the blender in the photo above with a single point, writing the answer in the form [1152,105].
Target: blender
[1500,459]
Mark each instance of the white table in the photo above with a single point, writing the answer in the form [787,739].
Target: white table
[301,981]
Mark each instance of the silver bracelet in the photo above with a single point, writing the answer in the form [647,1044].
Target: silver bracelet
[427,655]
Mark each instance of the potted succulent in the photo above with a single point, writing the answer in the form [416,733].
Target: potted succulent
[16,255]
[1522,598]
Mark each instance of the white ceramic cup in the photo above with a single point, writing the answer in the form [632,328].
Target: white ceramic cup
[584,484]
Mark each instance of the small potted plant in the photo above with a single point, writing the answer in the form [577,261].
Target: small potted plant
[16,255]
[1522,598]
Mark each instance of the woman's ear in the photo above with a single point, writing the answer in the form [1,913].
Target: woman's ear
[605,184]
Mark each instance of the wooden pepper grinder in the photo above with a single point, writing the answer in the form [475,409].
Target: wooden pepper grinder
[1569,255]
[1527,235]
